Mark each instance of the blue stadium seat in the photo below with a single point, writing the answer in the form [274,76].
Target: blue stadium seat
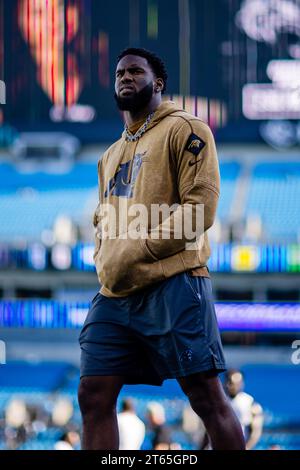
[45,376]
[80,176]
[274,194]
[230,172]
[34,444]
[26,217]
[277,389]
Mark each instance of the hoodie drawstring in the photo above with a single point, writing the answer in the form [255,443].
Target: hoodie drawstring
[129,174]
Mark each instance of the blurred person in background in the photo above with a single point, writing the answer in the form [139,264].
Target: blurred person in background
[194,427]
[247,410]
[160,432]
[131,427]
[62,412]
[17,423]
[38,419]
[69,440]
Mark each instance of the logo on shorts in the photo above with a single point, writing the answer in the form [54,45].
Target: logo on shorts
[186,356]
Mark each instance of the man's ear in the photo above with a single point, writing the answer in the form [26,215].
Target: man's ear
[159,85]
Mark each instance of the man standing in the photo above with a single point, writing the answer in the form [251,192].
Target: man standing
[248,411]
[132,430]
[154,316]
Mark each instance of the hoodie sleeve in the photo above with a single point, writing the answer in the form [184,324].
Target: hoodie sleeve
[198,179]
[96,215]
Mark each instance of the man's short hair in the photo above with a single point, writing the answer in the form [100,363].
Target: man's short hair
[157,65]
[231,372]
[127,405]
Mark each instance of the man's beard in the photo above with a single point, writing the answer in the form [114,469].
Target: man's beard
[137,101]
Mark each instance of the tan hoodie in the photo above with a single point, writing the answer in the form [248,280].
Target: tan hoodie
[173,162]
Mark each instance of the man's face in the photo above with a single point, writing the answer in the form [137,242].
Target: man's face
[134,85]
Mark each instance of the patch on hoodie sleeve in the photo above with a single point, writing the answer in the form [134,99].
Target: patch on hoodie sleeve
[194,144]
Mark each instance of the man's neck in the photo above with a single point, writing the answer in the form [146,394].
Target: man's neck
[131,117]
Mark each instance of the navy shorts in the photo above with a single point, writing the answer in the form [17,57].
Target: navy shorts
[167,330]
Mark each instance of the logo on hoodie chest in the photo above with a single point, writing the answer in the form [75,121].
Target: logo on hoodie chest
[123,181]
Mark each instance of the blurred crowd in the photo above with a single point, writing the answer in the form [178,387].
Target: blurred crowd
[57,428]
[24,421]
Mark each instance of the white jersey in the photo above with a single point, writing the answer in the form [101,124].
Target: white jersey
[131,431]
[242,405]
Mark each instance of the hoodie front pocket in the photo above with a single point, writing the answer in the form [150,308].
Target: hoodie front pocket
[123,265]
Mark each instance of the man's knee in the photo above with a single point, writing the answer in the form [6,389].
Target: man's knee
[205,395]
[96,395]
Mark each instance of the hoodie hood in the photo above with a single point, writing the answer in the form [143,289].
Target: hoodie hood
[164,109]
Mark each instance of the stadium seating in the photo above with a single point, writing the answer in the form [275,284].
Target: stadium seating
[282,441]
[229,172]
[45,376]
[27,216]
[30,201]
[81,175]
[277,389]
[274,194]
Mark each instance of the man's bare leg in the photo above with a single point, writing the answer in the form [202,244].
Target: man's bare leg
[208,400]
[97,397]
